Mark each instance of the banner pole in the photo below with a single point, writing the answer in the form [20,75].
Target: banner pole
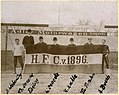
[6,48]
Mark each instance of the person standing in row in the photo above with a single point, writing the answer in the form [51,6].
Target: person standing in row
[55,48]
[41,47]
[28,42]
[71,48]
[105,53]
[18,53]
[89,42]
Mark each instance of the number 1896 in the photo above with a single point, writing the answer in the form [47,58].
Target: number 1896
[77,59]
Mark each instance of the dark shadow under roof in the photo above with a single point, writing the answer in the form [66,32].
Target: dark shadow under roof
[22,24]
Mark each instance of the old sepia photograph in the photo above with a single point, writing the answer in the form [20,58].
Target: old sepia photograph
[59,47]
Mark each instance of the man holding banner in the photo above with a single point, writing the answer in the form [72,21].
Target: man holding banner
[71,48]
[55,48]
[105,54]
[89,42]
[41,47]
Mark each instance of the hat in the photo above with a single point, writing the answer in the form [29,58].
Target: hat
[29,30]
[40,37]
[71,39]
[89,38]
[16,39]
[104,40]
[55,39]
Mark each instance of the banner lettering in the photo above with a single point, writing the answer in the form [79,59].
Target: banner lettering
[44,58]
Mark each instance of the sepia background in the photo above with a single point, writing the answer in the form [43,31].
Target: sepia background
[74,16]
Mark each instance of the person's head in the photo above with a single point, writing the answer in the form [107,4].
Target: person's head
[89,40]
[17,41]
[29,32]
[41,39]
[71,40]
[103,41]
[55,39]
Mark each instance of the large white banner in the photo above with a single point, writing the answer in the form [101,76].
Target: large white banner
[44,58]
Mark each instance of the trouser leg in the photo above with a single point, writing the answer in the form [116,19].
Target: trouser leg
[103,63]
[107,62]
[15,63]
[21,62]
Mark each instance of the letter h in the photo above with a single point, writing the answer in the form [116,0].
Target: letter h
[34,58]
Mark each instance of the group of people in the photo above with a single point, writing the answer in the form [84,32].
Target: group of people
[19,50]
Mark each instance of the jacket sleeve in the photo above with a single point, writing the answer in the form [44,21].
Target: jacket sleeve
[108,51]
[32,40]
[23,42]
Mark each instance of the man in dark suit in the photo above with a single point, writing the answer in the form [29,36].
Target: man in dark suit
[89,42]
[28,42]
[89,47]
[71,48]
[55,48]
[41,47]
[105,53]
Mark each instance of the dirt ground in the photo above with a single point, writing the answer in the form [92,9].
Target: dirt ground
[61,83]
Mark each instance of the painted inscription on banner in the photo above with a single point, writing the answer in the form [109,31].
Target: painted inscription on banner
[44,58]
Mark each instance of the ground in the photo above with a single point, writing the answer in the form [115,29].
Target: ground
[61,83]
